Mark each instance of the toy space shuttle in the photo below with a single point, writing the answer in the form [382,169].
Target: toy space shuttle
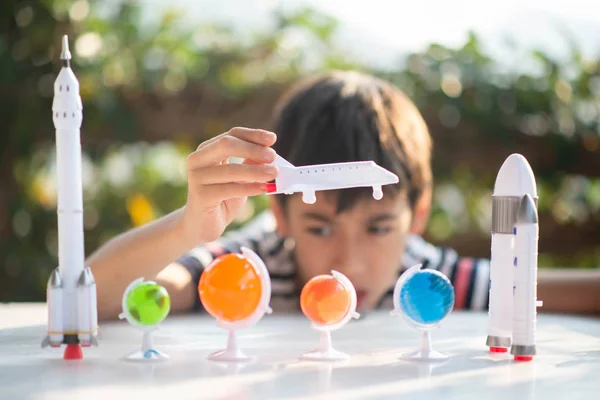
[71,292]
[309,179]
[513,267]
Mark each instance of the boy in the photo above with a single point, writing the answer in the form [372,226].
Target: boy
[334,117]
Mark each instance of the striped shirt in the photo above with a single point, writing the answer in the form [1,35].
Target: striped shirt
[469,276]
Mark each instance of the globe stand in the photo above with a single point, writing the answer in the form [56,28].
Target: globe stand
[232,352]
[233,367]
[425,351]
[147,353]
[325,351]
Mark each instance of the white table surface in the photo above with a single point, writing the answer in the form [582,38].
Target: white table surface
[567,365]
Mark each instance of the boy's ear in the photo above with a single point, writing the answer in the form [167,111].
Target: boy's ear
[279,214]
[422,210]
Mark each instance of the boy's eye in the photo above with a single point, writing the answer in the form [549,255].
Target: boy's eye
[379,230]
[319,230]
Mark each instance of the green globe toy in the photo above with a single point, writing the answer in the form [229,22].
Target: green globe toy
[145,305]
[148,303]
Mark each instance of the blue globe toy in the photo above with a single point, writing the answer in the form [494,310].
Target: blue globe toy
[427,297]
[423,297]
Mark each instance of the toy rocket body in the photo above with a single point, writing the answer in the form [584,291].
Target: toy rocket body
[515,180]
[71,293]
[525,281]
[311,178]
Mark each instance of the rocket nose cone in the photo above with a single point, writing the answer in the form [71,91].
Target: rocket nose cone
[527,211]
[55,281]
[515,178]
[86,278]
[65,54]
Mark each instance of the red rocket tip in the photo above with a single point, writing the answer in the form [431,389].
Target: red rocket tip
[271,187]
[498,350]
[523,358]
[73,352]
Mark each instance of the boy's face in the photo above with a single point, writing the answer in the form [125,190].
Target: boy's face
[365,242]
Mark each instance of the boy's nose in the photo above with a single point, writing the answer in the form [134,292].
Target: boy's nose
[349,261]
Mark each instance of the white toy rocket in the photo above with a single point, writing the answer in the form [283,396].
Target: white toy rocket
[515,180]
[71,293]
[525,301]
[311,178]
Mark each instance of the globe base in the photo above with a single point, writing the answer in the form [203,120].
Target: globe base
[230,356]
[232,353]
[325,352]
[425,351]
[429,355]
[147,353]
[147,356]
[327,355]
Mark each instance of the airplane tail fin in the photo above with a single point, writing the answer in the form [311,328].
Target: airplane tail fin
[280,161]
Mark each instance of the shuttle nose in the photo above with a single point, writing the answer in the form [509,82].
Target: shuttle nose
[391,176]
[388,176]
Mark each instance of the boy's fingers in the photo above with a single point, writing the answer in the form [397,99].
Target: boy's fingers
[251,162]
[216,193]
[229,146]
[233,173]
[258,136]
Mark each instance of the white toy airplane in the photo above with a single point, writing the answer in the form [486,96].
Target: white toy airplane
[311,178]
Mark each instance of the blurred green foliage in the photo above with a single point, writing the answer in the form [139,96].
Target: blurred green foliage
[477,111]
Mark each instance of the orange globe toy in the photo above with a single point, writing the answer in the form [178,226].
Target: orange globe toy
[230,289]
[325,300]
[236,290]
[329,301]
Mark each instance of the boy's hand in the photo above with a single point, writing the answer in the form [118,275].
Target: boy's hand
[217,190]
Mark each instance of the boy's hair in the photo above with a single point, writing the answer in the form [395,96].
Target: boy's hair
[349,116]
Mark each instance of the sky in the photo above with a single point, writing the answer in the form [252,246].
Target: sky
[382,30]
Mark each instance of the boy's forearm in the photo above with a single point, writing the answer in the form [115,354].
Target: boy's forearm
[141,252]
[569,290]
